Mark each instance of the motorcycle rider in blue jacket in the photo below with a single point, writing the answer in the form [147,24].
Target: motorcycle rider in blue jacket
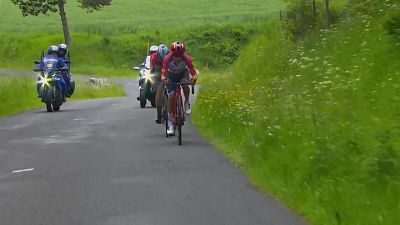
[62,55]
[52,55]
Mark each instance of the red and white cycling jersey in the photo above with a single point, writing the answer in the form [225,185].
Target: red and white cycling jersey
[177,65]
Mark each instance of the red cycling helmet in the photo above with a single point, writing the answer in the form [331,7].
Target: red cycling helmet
[178,48]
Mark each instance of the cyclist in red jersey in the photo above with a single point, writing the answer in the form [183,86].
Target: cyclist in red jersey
[176,68]
[156,63]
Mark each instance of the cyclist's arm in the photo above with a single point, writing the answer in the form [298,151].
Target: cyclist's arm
[164,68]
[189,64]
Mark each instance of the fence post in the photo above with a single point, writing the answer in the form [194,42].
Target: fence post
[328,14]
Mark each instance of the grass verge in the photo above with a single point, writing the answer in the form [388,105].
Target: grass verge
[315,123]
[18,93]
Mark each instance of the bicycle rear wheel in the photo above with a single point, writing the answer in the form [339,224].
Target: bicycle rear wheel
[179,118]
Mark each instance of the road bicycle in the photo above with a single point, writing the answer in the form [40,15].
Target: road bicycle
[178,113]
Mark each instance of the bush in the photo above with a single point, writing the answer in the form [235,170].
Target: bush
[392,24]
[300,19]
[217,47]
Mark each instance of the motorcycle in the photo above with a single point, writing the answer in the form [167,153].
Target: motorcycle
[147,85]
[50,83]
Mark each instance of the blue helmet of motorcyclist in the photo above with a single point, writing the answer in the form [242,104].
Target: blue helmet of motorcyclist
[62,50]
[52,50]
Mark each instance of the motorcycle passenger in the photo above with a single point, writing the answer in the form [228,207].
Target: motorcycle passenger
[176,67]
[156,63]
[62,55]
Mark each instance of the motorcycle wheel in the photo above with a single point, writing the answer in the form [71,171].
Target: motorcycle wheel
[58,101]
[153,103]
[143,100]
[56,108]
[143,103]
[49,100]
[71,92]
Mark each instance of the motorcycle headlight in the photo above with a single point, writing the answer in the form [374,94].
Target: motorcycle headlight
[47,74]
[150,77]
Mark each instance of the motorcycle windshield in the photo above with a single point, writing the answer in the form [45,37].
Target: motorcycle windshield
[50,64]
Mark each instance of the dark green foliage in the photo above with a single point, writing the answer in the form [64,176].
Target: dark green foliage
[392,24]
[217,47]
[36,7]
[91,5]
[300,18]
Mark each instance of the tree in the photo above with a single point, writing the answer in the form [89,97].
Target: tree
[36,7]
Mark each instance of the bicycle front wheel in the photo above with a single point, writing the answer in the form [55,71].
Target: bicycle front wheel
[179,118]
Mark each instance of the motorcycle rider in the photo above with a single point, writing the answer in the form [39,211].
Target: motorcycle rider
[153,49]
[62,55]
[52,54]
[176,67]
[156,63]
[146,63]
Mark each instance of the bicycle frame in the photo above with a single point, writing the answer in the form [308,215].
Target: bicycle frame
[178,113]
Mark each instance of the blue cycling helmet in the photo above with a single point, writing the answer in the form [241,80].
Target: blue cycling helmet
[52,50]
[162,51]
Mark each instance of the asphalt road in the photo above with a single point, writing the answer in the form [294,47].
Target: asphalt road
[105,162]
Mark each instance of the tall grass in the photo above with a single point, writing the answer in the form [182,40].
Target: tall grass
[214,46]
[19,93]
[316,124]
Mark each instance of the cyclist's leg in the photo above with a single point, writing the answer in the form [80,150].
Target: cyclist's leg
[186,90]
[171,91]
[159,102]
[159,95]
[172,78]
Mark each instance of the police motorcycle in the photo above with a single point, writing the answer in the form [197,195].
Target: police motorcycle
[147,82]
[51,87]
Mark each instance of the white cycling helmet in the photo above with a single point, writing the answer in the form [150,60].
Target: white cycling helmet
[153,48]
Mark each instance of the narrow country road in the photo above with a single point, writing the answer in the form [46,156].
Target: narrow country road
[105,162]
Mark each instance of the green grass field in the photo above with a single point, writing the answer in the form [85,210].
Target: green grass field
[18,93]
[127,16]
[111,41]
[315,123]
